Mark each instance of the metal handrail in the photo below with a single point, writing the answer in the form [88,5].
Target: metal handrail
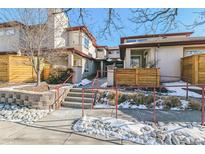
[93,82]
[57,89]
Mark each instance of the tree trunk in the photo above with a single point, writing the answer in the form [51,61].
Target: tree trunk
[38,72]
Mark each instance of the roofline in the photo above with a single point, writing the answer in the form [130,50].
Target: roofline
[155,35]
[73,50]
[11,24]
[189,42]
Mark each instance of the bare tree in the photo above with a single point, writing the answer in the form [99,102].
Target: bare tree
[153,19]
[36,34]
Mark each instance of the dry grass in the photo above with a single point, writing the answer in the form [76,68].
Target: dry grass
[171,101]
[194,105]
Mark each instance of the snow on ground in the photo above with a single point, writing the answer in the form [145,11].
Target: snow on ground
[142,132]
[127,105]
[104,85]
[83,82]
[102,106]
[20,113]
[179,91]
[110,127]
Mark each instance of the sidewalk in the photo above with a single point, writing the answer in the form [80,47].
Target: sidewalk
[56,128]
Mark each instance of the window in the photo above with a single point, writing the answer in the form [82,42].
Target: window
[194,52]
[86,42]
[135,40]
[9,32]
[130,41]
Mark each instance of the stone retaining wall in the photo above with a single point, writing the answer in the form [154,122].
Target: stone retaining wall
[36,100]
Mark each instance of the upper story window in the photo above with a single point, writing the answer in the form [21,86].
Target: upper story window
[135,40]
[194,52]
[86,42]
[9,32]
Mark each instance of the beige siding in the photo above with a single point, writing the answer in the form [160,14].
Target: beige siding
[169,62]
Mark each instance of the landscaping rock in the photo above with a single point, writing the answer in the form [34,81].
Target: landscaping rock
[147,128]
[186,141]
[168,140]
[175,140]
[189,126]
[17,113]
[161,124]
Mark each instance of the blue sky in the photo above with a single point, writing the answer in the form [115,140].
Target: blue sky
[95,20]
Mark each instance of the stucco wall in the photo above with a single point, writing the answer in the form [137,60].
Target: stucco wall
[169,62]
[9,42]
[114,54]
[56,29]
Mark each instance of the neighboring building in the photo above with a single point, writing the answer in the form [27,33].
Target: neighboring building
[113,57]
[71,47]
[163,51]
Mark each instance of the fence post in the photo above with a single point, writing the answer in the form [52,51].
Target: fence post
[202,107]
[154,99]
[187,91]
[116,99]
[58,106]
[82,102]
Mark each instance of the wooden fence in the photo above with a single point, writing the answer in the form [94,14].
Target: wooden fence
[15,68]
[193,69]
[138,76]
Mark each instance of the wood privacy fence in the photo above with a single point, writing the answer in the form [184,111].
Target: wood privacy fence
[15,68]
[193,69]
[138,76]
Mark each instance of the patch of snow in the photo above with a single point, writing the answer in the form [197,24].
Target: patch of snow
[83,82]
[102,106]
[104,85]
[142,132]
[127,105]
[111,127]
[143,107]
[179,91]
[175,109]
[185,104]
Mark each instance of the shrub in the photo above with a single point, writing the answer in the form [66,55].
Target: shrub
[57,78]
[194,105]
[121,98]
[171,101]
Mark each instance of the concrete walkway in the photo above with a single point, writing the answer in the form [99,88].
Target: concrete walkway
[56,128]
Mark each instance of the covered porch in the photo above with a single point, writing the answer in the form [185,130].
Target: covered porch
[140,68]
[139,58]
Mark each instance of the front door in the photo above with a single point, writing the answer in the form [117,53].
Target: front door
[136,61]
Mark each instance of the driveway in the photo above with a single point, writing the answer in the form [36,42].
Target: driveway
[56,128]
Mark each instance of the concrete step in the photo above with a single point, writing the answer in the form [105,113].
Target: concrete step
[79,90]
[78,99]
[76,105]
[79,94]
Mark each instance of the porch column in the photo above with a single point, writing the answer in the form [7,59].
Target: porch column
[70,60]
[101,68]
